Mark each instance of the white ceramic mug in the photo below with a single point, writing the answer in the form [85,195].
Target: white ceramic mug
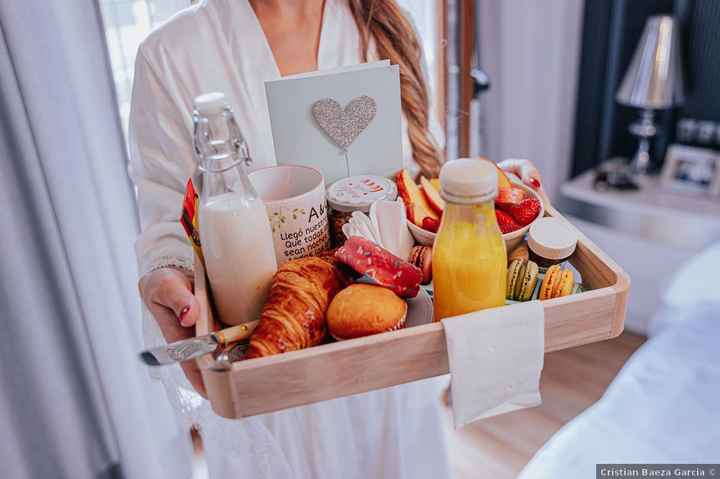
[295,199]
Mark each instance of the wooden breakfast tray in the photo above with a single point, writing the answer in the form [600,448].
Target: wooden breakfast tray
[328,371]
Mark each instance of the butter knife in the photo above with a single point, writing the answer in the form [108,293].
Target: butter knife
[187,349]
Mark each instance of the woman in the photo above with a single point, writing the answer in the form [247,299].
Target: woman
[233,46]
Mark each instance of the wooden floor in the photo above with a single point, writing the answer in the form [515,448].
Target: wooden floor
[572,380]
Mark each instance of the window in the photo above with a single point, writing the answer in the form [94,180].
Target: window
[127,23]
[425,18]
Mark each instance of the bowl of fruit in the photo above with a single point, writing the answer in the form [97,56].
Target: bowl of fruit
[517,206]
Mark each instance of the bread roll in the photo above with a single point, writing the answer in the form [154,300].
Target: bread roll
[365,309]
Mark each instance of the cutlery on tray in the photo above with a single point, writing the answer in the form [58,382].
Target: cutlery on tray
[191,348]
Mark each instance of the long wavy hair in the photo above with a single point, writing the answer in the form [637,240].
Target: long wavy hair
[395,40]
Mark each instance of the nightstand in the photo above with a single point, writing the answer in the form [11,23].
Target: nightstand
[650,233]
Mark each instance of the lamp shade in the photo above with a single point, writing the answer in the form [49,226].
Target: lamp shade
[654,78]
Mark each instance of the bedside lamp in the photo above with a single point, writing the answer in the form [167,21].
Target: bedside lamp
[653,81]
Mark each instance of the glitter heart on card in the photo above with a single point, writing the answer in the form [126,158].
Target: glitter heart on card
[343,126]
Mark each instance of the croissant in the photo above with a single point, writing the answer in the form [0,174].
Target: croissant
[293,316]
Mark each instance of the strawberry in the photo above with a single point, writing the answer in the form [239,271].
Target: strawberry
[430,224]
[525,212]
[506,222]
[510,196]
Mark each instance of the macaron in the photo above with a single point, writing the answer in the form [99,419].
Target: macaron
[512,278]
[565,284]
[421,256]
[552,275]
[521,280]
[558,282]
[577,288]
[521,252]
[525,287]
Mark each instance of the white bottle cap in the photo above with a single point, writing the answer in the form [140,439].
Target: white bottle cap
[209,103]
[468,180]
[551,239]
[358,193]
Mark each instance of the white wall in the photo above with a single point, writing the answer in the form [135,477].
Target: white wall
[530,50]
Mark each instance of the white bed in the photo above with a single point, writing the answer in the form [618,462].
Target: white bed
[664,406]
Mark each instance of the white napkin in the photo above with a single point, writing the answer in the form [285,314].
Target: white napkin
[386,226]
[496,357]
[390,219]
[364,225]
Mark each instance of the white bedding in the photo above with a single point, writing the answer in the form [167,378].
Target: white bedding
[664,406]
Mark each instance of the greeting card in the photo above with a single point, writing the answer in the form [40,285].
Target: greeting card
[344,121]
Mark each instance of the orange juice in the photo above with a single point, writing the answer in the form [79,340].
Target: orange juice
[469,257]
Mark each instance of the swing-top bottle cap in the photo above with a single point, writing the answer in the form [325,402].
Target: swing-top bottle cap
[468,180]
[209,103]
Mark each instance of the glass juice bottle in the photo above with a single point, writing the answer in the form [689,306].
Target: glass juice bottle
[234,228]
[469,259]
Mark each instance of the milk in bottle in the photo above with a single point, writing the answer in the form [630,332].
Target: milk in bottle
[234,228]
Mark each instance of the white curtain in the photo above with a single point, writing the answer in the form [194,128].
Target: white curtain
[74,400]
[531,52]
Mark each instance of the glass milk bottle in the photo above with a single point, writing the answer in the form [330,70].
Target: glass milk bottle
[469,259]
[234,228]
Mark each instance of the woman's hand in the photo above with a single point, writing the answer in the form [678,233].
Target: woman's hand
[523,169]
[167,293]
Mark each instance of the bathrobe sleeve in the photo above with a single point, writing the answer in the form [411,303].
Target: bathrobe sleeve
[161,161]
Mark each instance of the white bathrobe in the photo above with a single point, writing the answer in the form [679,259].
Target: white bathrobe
[219,45]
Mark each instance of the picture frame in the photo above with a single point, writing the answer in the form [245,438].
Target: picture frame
[691,169]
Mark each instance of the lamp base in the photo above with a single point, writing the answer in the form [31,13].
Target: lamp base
[644,129]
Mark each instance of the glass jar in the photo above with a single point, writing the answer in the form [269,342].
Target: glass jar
[550,242]
[355,193]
